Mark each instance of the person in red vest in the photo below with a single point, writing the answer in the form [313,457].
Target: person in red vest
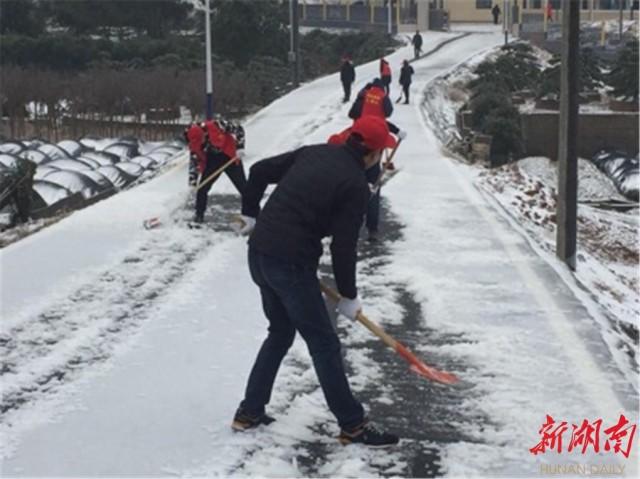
[385,75]
[223,139]
[194,135]
[549,12]
[372,218]
[372,100]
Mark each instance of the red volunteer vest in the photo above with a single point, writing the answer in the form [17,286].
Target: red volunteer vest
[372,104]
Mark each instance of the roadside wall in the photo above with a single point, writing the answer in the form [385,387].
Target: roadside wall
[596,131]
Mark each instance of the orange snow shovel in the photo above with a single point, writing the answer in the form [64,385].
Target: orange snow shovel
[416,365]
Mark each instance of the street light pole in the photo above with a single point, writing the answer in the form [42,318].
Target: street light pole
[389,15]
[621,19]
[505,20]
[209,73]
[567,207]
[293,41]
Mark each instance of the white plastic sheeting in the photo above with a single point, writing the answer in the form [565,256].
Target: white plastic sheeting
[51,193]
[144,161]
[75,182]
[37,156]
[73,148]
[70,165]
[54,151]
[12,147]
[89,166]
[7,160]
[117,177]
[100,157]
[134,169]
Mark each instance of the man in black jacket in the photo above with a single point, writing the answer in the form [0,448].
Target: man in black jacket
[347,77]
[405,79]
[322,191]
[417,44]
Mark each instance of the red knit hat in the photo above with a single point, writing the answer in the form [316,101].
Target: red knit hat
[374,132]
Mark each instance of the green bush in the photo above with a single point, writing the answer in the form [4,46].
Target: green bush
[515,69]
[484,103]
[503,124]
[624,74]
[590,74]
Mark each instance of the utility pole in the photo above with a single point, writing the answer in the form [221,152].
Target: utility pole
[389,17]
[620,21]
[294,51]
[209,73]
[567,207]
[505,20]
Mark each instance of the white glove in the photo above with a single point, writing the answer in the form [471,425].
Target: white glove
[401,134]
[245,225]
[349,307]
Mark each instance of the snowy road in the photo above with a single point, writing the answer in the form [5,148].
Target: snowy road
[125,352]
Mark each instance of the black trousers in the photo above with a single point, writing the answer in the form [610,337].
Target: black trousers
[235,172]
[405,89]
[346,86]
[386,81]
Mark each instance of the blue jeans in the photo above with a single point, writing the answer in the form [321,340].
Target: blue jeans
[292,301]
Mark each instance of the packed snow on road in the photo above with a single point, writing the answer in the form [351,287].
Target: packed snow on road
[126,351]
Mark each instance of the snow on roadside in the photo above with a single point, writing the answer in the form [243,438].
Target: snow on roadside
[608,253]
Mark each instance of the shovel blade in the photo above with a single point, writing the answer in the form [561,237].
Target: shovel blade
[433,374]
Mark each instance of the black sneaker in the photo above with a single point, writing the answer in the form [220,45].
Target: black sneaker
[368,434]
[243,420]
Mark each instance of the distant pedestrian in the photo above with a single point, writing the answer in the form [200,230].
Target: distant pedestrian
[495,11]
[223,140]
[405,79]
[549,12]
[385,75]
[417,44]
[322,191]
[347,77]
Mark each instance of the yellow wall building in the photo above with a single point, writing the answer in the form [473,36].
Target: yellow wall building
[480,10]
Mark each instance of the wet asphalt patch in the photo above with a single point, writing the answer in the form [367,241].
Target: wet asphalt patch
[423,413]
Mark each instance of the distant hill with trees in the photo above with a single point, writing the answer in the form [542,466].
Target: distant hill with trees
[123,57]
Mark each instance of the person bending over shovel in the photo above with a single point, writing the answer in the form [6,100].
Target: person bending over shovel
[222,142]
[322,191]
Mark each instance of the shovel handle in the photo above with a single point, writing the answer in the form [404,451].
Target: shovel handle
[417,365]
[215,173]
[370,325]
[378,182]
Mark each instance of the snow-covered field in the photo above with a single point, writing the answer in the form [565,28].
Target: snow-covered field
[125,351]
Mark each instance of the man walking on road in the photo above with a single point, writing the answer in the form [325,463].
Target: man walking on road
[347,77]
[405,79]
[322,191]
[417,44]
[495,11]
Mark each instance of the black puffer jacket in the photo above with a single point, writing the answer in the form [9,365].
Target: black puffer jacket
[322,191]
